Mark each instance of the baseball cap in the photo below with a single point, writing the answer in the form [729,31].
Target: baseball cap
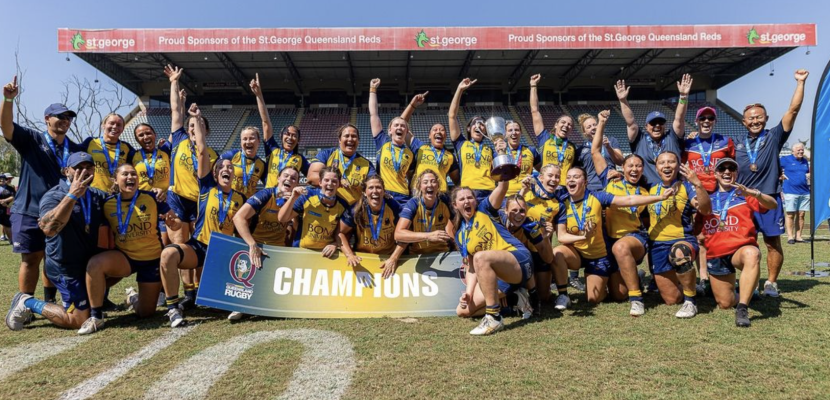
[8,175]
[655,115]
[724,161]
[77,158]
[706,110]
[57,109]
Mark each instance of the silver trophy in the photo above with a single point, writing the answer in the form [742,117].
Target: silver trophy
[504,166]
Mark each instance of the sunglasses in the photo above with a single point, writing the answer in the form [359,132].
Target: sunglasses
[753,105]
[656,122]
[730,168]
[63,117]
[707,118]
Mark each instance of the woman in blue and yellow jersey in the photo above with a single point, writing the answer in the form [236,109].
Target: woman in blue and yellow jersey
[372,220]
[525,157]
[424,218]
[535,235]
[152,163]
[320,211]
[278,156]
[582,241]
[671,232]
[494,260]
[433,155]
[248,169]
[183,192]
[134,217]
[108,151]
[395,160]
[625,231]
[475,158]
[218,203]
[345,159]
[553,148]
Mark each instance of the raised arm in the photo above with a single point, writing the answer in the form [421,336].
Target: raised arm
[176,107]
[201,144]
[683,88]
[267,127]
[788,121]
[497,196]
[287,212]
[416,101]
[53,222]
[628,114]
[452,115]
[374,118]
[538,122]
[596,144]
[6,115]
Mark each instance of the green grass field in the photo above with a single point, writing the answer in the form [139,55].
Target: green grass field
[587,352]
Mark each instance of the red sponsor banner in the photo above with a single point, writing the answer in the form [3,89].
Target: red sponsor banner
[422,39]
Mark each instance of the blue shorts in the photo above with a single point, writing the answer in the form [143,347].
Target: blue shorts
[526,265]
[796,202]
[145,271]
[72,289]
[187,210]
[538,264]
[162,227]
[200,249]
[27,236]
[658,254]
[771,223]
[400,198]
[603,266]
[641,237]
[720,266]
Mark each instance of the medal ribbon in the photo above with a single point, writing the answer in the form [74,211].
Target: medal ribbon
[396,162]
[518,156]
[223,210]
[580,224]
[151,168]
[86,207]
[375,229]
[432,213]
[560,150]
[725,209]
[464,236]
[652,146]
[477,152]
[548,195]
[112,166]
[124,224]
[63,158]
[284,156]
[636,191]
[438,158]
[706,156]
[246,172]
[343,164]
[753,154]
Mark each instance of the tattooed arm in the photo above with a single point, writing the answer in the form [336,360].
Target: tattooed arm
[54,220]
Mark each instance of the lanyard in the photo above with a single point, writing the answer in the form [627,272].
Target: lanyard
[636,191]
[705,155]
[151,168]
[375,228]
[723,210]
[464,236]
[432,213]
[396,162]
[124,223]
[753,154]
[195,160]
[223,210]
[63,158]
[580,224]
[477,152]
[86,207]
[438,158]
[343,164]
[652,146]
[548,195]
[603,150]
[112,166]
[284,156]
[560,150]
[658,207]
[518,156]
[246,175]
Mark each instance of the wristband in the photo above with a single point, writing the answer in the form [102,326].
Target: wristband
[72,196]
[8,100]
[373,90]
[532,85]
[682,100]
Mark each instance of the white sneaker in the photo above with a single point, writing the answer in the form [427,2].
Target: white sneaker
[563,301]
[687,310]
[91,325]
[235,316]
[176,317]
[771,289]
[523,306]
[488,326]
[132,299]
[18,313]
[637,309]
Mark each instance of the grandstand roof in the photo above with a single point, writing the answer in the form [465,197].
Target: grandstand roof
[650,57]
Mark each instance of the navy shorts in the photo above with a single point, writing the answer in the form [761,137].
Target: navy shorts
[5,219]
[145,271]
[641,237]
[72,289]
[200,249]
[187,210]
[28,238]
[771,223]
[720,266]
[659,254]
[400,198]
[526,265]
[538,264]
[603,266]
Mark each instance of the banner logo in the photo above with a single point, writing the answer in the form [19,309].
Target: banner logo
[422,39]
[241,268]
[752,36]
[77,41]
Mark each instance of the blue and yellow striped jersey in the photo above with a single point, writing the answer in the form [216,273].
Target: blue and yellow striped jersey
[476,177]
[161,172]
[143,239]
[364,242]
[318,221]
[388,155]
[355,172]
[268,229]
[422,219]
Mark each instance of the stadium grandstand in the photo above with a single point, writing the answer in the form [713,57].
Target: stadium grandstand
[321,87]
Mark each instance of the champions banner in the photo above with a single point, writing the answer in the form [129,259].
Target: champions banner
[434,38]
[300,283]
[820,168]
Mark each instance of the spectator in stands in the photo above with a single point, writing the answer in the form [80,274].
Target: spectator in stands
[524,156]
[795,171]
[654,140]
[395,157]
[432,156]
[610,151]
[43,159]
[475,158]
[553,149]
[6,198]
[759,167]
[278,156]
[351,166]
[108,151]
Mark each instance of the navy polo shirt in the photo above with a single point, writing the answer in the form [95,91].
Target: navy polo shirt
[769,142]
[587,162]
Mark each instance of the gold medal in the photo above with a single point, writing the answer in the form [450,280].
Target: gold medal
[122,237]
[478,164]
[721,226]
[465,260]
[753,167]
[150,181]
[706,170]
[86,228]
[580,233]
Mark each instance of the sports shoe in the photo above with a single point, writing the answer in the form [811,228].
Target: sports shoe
[488,326]
[18,313]
[771,289]
[687,310]
[235,316]
[523,306]
[637,309]
[176,317]
[187,303]
[742,317]
[576,283]
[132,299]
[91,325]
[652,286]
[110,306]
[162,301]
[701,287]
[563,301]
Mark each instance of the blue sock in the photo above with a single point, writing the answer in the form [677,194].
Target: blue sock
[35,305]
[97,312]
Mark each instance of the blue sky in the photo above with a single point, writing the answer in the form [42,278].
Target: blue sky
[32,26]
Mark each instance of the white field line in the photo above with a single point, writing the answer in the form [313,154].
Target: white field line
[25,355]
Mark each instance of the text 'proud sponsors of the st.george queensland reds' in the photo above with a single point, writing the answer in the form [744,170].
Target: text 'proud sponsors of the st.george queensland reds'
[266,39]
